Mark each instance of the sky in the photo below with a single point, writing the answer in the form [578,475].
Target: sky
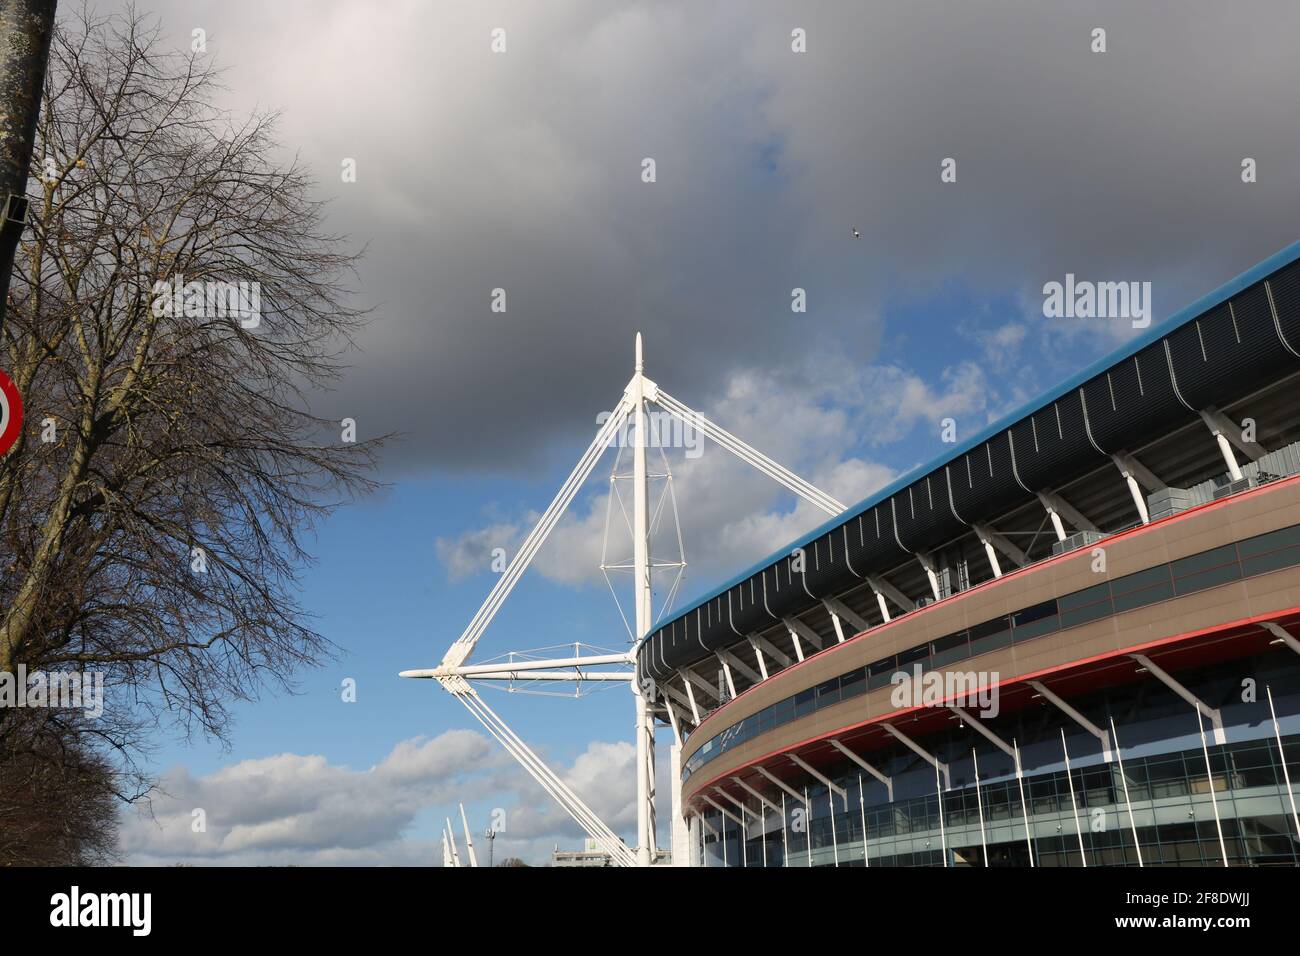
[524,171]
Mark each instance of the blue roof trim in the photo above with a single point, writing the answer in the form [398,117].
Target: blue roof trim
[1157,331]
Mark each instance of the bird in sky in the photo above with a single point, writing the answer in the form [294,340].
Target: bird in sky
[856,234]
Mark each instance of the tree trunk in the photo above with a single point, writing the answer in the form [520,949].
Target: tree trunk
[25,30]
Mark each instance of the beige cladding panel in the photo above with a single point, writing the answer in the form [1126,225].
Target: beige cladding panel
[1247,516]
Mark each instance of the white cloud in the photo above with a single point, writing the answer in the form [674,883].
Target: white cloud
[304,810]
[815,419]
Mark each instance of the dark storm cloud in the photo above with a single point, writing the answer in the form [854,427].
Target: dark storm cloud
[522,171]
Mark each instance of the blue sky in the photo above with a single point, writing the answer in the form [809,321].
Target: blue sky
[381,594]
[521,171]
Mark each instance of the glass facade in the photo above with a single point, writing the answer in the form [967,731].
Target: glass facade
[1246,558]
[1068,818]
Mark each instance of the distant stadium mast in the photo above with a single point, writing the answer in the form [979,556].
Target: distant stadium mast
[455,675]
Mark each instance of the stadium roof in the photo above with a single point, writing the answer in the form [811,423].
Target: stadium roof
[1260,315]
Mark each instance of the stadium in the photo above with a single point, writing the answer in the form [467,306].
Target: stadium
[1108,583]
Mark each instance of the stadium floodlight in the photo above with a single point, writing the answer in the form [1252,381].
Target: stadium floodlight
[454,674]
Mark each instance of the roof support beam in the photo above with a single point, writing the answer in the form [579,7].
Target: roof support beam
[784,786]
[845,613]
[672,719]
[1212,715]
[726,673]
[690,697]
[690,677]
[921,752]
[756,795]
[991,539]
[885,589]
[670,691]
[721,809]
[825,781]
[839,628]
[1077,717]
[978,726]
[758,656]
[729,658]
[1221,424]
[739,803]
[1215,424]
[799,629]
[931,572]
[1058,508]
[770,649]
[1134,471]
[887,781]
[1282,634]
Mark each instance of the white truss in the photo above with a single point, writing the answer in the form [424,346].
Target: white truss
[454,674]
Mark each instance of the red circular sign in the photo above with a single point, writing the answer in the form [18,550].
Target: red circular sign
[11,413]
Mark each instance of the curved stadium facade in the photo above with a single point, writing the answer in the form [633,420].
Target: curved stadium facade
[1074,640]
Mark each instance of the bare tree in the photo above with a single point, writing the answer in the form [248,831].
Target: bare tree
[25,30]
[152,517]
[59,796]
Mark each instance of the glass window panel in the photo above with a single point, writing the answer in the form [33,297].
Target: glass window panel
[990,636]
[853,683]
[1152,595]
[1270,561]
[879,673]
[1036,621]
[1087,596]
[828,692]
[1085,615]
[913,654]
[945,650]
[1140,580]
[1204,561]
[1212,577]
[1282,538]
[804,703]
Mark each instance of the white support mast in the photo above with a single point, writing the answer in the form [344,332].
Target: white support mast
[455,675]
[645,725]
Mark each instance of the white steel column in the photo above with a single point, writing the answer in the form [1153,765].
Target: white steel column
[785,840]
[1074,807]
[1209,781]
[1119,758]
[979,804]
[1281,755]
[1024,807]
[943,838]
[807,829]
[645,728]
[862,806]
